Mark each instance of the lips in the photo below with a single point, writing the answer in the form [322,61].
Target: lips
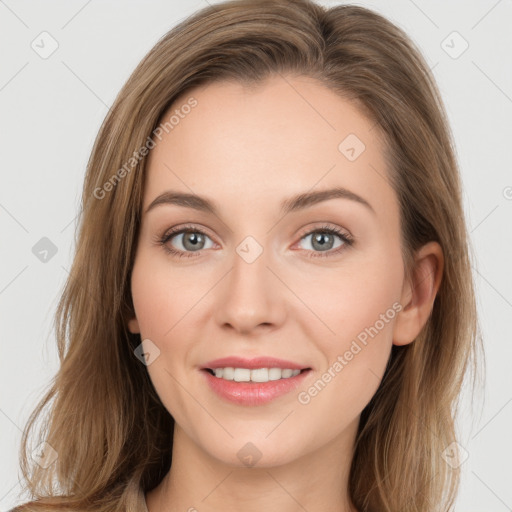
[253,393]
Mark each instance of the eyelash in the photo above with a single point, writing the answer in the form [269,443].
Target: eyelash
[345,237]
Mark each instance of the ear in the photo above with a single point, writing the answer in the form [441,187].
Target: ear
[133,325]
[419,293]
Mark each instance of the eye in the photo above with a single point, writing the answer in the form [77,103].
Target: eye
[322,240]
[190,239]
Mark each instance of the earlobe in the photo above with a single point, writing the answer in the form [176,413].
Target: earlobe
[133,325]
[419,293]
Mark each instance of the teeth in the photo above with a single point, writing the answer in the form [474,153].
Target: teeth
[255,375]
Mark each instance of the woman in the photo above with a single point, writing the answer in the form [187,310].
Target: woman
[271,304]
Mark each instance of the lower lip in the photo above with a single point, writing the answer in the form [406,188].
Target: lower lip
[253,393]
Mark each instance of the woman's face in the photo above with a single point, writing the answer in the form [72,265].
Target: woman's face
[262,277]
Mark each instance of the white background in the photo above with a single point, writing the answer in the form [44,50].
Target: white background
[51,110]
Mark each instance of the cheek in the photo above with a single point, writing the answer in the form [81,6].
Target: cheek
[367,303]
[357,312]
[161,303]
[163,295]
[150,300]
[349,300]
[355,357]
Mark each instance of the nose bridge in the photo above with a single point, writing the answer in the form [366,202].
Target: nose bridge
[251,294]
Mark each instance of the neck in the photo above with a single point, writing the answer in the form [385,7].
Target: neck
[315,482]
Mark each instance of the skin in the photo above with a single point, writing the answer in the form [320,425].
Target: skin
[247,150]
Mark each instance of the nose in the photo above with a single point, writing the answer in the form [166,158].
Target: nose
[251,297]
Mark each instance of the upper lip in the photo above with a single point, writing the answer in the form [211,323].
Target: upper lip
[257,362]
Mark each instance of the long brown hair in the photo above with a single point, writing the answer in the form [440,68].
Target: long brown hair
[103,418]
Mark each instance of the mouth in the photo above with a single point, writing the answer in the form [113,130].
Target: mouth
[254,386]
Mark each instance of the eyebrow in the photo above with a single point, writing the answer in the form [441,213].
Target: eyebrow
[293,204]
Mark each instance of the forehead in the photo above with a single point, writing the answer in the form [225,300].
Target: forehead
[261,144]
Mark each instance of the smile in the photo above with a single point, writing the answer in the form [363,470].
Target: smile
[256,386]
[254,375]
